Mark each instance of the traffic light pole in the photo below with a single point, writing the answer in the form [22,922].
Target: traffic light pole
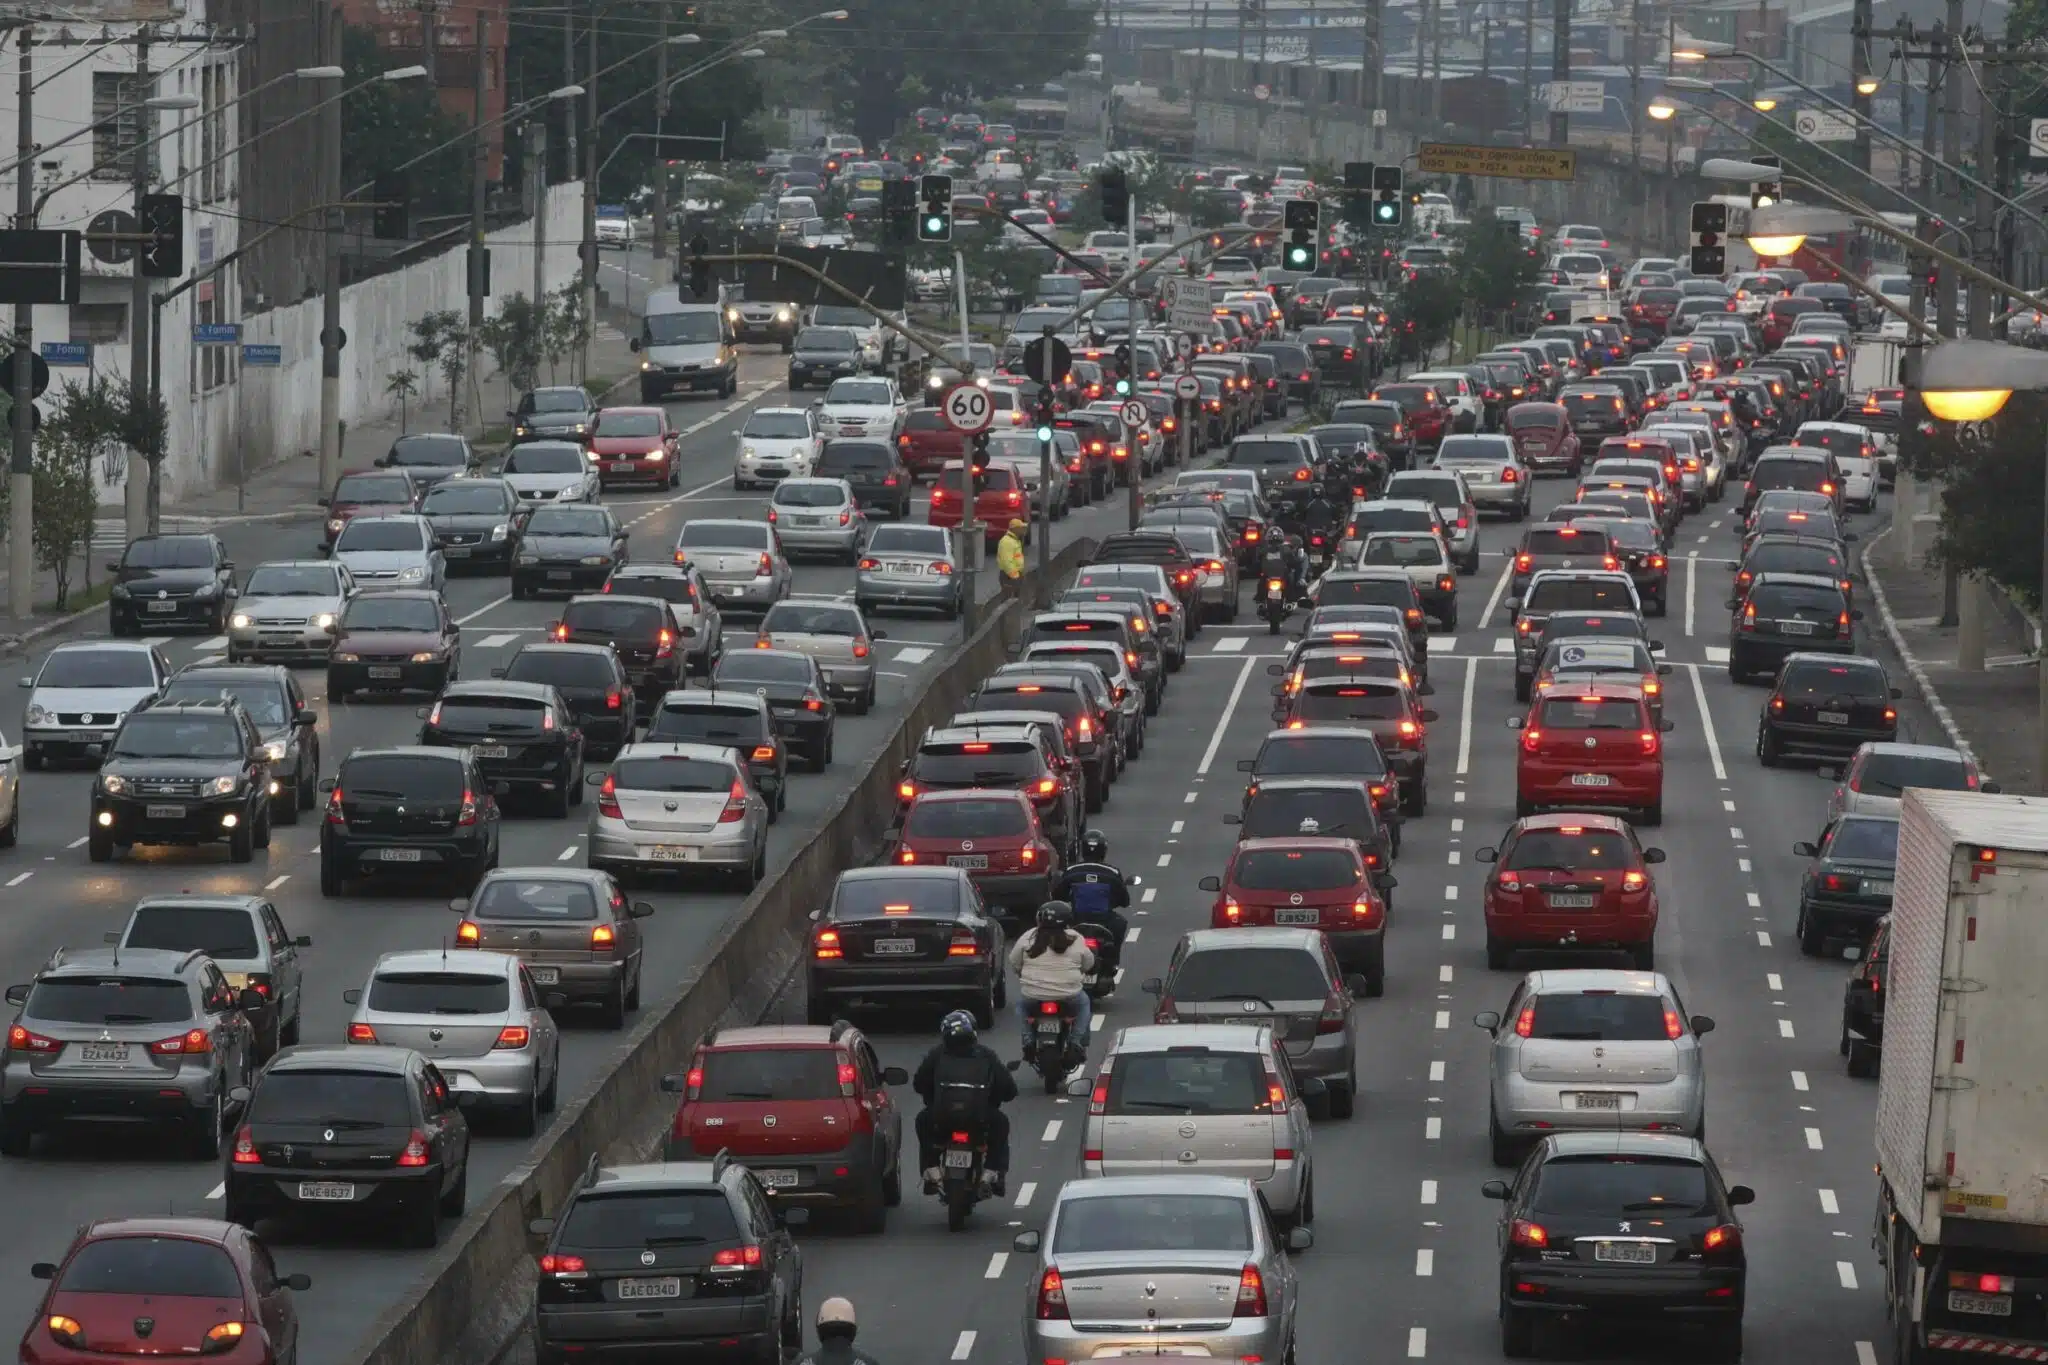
[21,478]
[1133,460]
[135,491]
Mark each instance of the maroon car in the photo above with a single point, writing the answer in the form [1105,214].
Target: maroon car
[927,444]
[367,493]
[1544,437]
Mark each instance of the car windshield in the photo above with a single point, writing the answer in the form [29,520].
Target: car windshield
[1295,869]
[544,457]
[152,1267]
[438,993]
[151,735]
[673,773]
[1158,1223]
[1235,973]
[920,540]
[887,898]
[777,426]
[537,900]
[1402,550]
[636,1220]
[218,931]
[291,580]
[169,552]
[1889,774]
[786,618]
[769,1073]
[691,723]
[458,499]
[1615,1187]
[263,700]
[558,400]
[429,780]
[356,1099]
[801,494]
[841,315]
[696,327]
[723,535]
[1590,713]
[569,521]
[1865,841]
[1356,757]
[1569,849]
[354,490]
[96,668]
[1597,1016]
[972,819]
[827,339]
[761,666]
[380,536]
[108,1000]
[859,393]
[1187,1082]
[380,611]
[613,422]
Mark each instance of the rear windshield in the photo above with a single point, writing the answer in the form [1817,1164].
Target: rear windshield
[439,993]
[762,666]
[1295,869]
[357,489]
[994,479]
[217,931]
[434,451]
[1346,702]
[1187,1081]
[1366,592]
[1797,600]
[1579,594]
[541,900]
[809,495]
[311,1097]
[976,762]
[672,773]
[1579,713]
[1568,849]
[966,820]
[792,619]
[877,898]
[1614,1187]
[847,455]
[1598,1017]
[633,1221]
[380,536]
[1813,680]
[1392,519]
[1237,973]
[615,617]
[109,1000]
[773,1073]
[509,715]
[428,780]
[176,1267]
[1564,541]
[1886,774]
[1266,453]
[1402,550]
[921,540]
[692,723]
[1153,1223]
[722,535]
[1585,403]
[1805,475]
[1358,757]
[1309,811]
[560,668]
[1874,841]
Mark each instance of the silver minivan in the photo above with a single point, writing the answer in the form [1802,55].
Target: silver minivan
[1200,1099]
[685,348]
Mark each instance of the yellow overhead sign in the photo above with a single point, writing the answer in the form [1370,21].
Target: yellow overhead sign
[1506,163]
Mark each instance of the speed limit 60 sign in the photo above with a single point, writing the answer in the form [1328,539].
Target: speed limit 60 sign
[968,408]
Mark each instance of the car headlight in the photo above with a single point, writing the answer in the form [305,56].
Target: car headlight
[528,557]
[37,715]
[582,428]
[274,751]
[334,525]
[597,559]
[325,620]
[113,784]
[935,383]
[746,452]
[732,315]
[782,315]
[346,658]
[119,592]
[222,786]
[242,620]
[522,430]
[411,574]
[425,656]
[501,530]
[646,364]
[573,493]
[206,590]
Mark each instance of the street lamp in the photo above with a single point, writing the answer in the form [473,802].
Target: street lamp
[1662,109]
[1764,104]
[1866,85]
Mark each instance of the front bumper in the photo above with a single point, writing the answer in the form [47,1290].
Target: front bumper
[770,468]
[661,381]
[167,611]
[69,741]
[547,576]
[424,676]
[259,641]
[169,819]
[483,550]
[618,469]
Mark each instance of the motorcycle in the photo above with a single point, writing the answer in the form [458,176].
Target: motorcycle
[1274,606]
[960,1175]
[1322,547]
[1108,950]
[1053,1053]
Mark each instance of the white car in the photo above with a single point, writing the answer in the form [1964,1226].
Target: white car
[391,552]
[77,698]
[1113,247]
[1581,236]
[1855,453]
[1582,268]
[615,232]
[551,471]
[862,406]
[10,794]
[776,443]
[1238,272]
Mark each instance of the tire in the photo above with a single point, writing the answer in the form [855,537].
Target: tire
[1517,1333]
[1811,939]
[1415,800]
[1376,971]
[237,1212]
[99,845]
[202,1142]
[1862,1059]
[633,991]
[1343,1098]
[10,833]
[1768,751]
[1723,1343]
[1522,687]
[558,806]
[871,1214]
[526,1122]
[892,1182]
[1451,616]
[1653,815]
[613,1011]
[259,830]
[15,1138]
[420,1223]
[285,809]
[985,1009]
[288,1034]
[332,883]
[959,1201]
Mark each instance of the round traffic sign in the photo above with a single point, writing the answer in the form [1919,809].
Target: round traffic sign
[1262,92]
[1187,387]
[105,234]
[1134,413]
[968,408]
[1047,359]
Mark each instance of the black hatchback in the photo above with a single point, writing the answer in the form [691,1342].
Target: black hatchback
[178,580]
[407,811]
[1863,1004]
[1785,614]
[640,630]
[1847,886]
[1825,707]
[881,482]
[593,684]
[521,734]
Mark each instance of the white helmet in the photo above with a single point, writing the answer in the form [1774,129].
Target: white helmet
[836,1312]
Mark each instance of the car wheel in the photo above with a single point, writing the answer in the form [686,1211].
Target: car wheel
[1862,1059]
[421,1226]
[1522,687]
[99,844]
[16,1137]
[203,1141]
[1811,939]
[1506,1151]
[526,1120]
[564,796]
[1724,1343]
[1343,1098]
[259,833]
[1498,954]
[288,1034]
[284,810]
[332,883]
[1768,750]
[1451,617]
[1653,814]
[1517,1332]
[613,1008]
[1376,971]
[1644,958]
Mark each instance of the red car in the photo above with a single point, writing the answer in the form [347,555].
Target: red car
[1595,749]
[807,1106]
[635,445]
[1544,437]
[1780,314]
[1652,308]
[1000,501]
[1565,882]
[1429,417]
[138,1288]
[1307,883]
[993,833]
[366,494]
[927,444]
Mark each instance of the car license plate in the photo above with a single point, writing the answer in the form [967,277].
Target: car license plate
[851,430]
[1592,780]
[326,1192]
[896,567]
[1877,888]
[1596,1100]
[1627,1253]
[967,860]
[895,947]
[660,1287]
[163,607]
[1049,1028]
[103,1052]
[1795,627]
[398,855]
[1572,901]
[455,552]
[1992,1305]
[807,521]
[164,812]
[386,671]
[1297,917]
[490,750]
[778,1180]
[1832,717]
[960,1158]
[545,976]
[558,575]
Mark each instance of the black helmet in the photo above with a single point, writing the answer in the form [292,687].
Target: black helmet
[1094,848]
[1055,915]
[957,1027]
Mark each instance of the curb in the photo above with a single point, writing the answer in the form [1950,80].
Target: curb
[1928,693]
[14,644]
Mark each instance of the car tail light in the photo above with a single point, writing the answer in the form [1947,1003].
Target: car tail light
[938,495]
[1028,854]
[562,1265]
[1523,1233]
[245,1153]
[65,1331]
[735,803]
[763,753]
[1728,1238]
[1650,741]
[1251,1294]
[608,799]
[20,1039]
[1674,1025]
[415,1153]
[1525,1022]
[1836,882]
[468,934]
[334,815]
[188,1043]
[963,945]
[742,1256]
[849,1078]
[1414,614]
[1748,616]
[603,938]
[1052,1297]
[1531,740]
[1842,624]
[826,945]
[1331,1020]
[1523,563]
[513,1037]
[869,565]
[613,700]
[1232,911]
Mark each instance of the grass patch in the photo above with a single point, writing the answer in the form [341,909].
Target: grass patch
[78,599]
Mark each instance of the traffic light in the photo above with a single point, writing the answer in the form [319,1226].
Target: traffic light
[979,458]
[700,269]
[899,212]
[1766,192]
[163,217]
[1046,410]
[1303,219]
[1358,193]
[1388,211]
[1115,190]
[935,224]
[1121,362]
[393,218]
[1709,238]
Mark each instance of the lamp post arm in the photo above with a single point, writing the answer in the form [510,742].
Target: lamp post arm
[1132,276]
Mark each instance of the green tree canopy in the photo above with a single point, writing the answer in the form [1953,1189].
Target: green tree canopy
[385,124]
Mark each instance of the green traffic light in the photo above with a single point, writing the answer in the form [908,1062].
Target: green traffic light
[1123,388]
[934,224]
[1045,433]
[1297,258]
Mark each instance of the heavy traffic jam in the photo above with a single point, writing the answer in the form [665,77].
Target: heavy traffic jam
[1352,880]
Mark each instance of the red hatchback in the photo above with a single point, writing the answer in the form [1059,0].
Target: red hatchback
[992,834]
[927,443]
[1569,882]
[1594,749]
[1429,417]
[137,1288]
[1000,501]
[1307,883]
[635,445]
[366,494]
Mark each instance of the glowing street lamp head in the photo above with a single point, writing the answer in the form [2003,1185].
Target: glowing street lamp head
[1777,246]
[1867,85]
[1964,405]
[1764,104]
[1662,110]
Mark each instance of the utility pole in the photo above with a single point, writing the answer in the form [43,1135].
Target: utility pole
[1859,75]
[1528,70]
[1373,70]
[659,245]
[590,202]
[569,78]
[1436,60]
[478,263]
[1635,100]
[135,498]
[1983,222]
[1560,66]
[330,270]
[537,182]
[1951,200]
[1202,47]
[21,531]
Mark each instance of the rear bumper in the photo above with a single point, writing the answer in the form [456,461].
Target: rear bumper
[1706,1295]
[653,1330]
[1824,741]
[1627,786]
[1567,930]
[155,1098]
[1840,915]
[1019,891]
[404,677]
[591,979]
[375,1192]
[951,976]
[361,855]
[636,850]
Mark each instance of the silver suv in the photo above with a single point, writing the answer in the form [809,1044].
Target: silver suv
[245,938]
[126,1036]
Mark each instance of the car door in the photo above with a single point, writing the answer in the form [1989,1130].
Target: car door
[888,1120]
[541,1022]
[274,1304]
[233,1035]
[443,1122]
[286,971]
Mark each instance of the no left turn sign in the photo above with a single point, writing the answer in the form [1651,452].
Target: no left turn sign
[968,409]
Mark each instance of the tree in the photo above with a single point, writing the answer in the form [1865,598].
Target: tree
[1492,266]
[441,340]
[1423,312]
[66,501]
[1991,477]
[516,339]
[385,124]
[402,385]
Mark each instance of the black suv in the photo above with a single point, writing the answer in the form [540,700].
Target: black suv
[953,757]
[592,682]
[557,412]
[359,1132]
[1826,706]
[880,480]
[185,580]
[521,734]
[794,686]
[431,456]
[666,1257]
[1784,614]
[640,630]
[407,810]
[741,721]
[186,772]
[273,699]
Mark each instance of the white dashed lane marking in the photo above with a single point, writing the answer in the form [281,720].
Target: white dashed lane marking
[1024,1193]
[996,1262]
[1828,1203]
[913,654]
[1418,1342]
[964,1347]
[1231,644]
[218,1191]
[276,882]
[1846,1270]
[1425,1261]
[1052,1130]
[1503,646]
[79,842]
[1132,935]
[1785,1028]
[1429,1191]
[1433,1128]
[1813,1140]
[495,641]
[19,878]
[1436,1071]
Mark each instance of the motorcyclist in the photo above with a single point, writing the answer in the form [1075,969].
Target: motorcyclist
[1096,889]
[1273,564]
[964,1086]
[1297,567]
[1053,962]
[835,1337]
[1319,518]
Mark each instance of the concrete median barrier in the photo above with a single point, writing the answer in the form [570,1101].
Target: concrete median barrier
[476,1295]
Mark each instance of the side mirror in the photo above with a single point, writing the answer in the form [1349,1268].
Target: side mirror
[501,790]
[321,501]
[1300,1239]
[307,717]
[633,343]
[1663,670]
[593,779]
[1653,855]
[1486,1019]
[17,995]
[879,634]
[1733,567]
[1805,850]
[1856,615]
[1233,819]
[1667,726]
[1244,765]
[114,565]
[44,1270]
[1152,985]
[1080,1086]
[1514,722]
[352,997]
[1850,537]
[1012,1066]
[497,672]
[1023,1241]
[326,784]
[421,712]
[1656,646]
[1427,690]
[1429,717]
[1486,855]
[895,1075]
[1897,694]
[299,1282]
[1357,984]
[795,1217]
[675,1083]
[1514,604]
[1494,1189]
[1702,1024]
[1305,603]
[1734,603]
[1741,1194]
[1137,881]
[642,909]
[240,1094]
[1276,670]
[28,682]
[1210,884]
[554,1000]
[1828,771]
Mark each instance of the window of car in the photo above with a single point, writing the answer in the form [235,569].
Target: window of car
[108,999]
[438,993]
[672,773]
[1864,840]
[541,457]
[1887,773]
[417,776]
[1569,848]
[881,898]
[1780,601]
[696,326]
[1294,869]
[1265,973]
[1597,1016]
[632,1220]
[768,1073]
[724,535]
[861,392]
[308,1096]
[217,930]
[356,490]
[168,1267]
[923,540]
[385,611]
[265,701]
[802,619]
[971,819]
[430,450]
[763,666]
[497,715]
[1590,713]
[1817,681]
[534,899]
[161,735]
[1187,1081]
[846,455]
[1579,594]
[1620,1186]
[615,616]
[456,499]
[557,400]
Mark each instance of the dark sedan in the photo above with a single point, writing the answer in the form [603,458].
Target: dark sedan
[475,521]
[592,684]
[1847,886]
[567,549]
[177,580]
[396,641]
[1863,1004]
[431,456]
[563,412]
[793,684]
[892,934]
[823,354]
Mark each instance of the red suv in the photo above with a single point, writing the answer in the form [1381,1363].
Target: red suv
[992,833]
[806,1107]
[1429,417]
[1598,748]
[1564,882]
[1000,501]
[1309,883]
[928,443]
[140,1287]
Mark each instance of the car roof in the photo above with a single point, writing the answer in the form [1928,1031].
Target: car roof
[1109,1187]
[1804,580]
[407,594]
[889,872]
[1606,689]
[1294,843]
[496,687]
[1222,940]
[98,961]
[1142,1038]
[669,748]
[191,1229]
[390,1061]
[1618,980]
[427,751]
[775,1035]
[1565,819]
[276,673]
[465,963]
[562,647]
[213,900]
[1900,749]
[125,646]
[550,872]
[1672,1146]
[961,734]
[726,697]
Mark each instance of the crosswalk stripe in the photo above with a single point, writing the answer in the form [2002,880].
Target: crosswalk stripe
[1503,646]
[1231,644]
[913,654]
[1717,654]
[1448,644]
[495,641]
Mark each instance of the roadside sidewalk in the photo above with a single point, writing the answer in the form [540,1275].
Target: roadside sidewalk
[282,492]
[1991,715]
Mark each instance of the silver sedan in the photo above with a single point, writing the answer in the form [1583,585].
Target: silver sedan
[817,517]
[469,1013]
[834,633]
[909,566]
[682,808]
[287,610]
